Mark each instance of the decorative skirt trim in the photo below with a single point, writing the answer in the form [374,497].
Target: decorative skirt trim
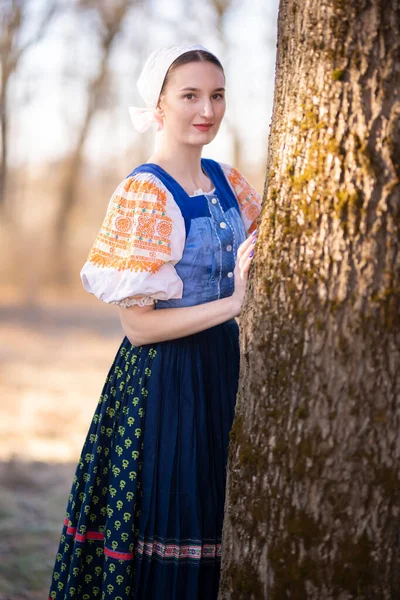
[196,551]
[151,547]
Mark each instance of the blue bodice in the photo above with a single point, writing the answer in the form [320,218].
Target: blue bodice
[214,231]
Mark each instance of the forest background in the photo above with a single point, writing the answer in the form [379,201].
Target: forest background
[68,75]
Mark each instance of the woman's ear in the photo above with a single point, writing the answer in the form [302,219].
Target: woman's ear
[159,117]
[159,120]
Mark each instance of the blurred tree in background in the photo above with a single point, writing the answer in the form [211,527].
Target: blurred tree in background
[13,17]
[109,19]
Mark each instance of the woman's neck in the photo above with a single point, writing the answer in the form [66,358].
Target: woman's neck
[183,163]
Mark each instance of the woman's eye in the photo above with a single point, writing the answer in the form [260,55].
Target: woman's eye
[189,96]
[218,96]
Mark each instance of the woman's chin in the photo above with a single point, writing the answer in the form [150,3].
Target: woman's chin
[201,140]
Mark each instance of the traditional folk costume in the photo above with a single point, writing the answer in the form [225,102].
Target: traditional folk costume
[145,513]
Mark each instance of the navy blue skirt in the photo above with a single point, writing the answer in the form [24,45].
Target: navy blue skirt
[145,513]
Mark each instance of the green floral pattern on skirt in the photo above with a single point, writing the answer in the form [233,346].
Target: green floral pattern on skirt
[97,524]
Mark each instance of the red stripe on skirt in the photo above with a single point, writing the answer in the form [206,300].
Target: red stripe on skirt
[81,537]
[118,555]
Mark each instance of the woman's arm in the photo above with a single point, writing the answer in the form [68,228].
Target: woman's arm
[144,325]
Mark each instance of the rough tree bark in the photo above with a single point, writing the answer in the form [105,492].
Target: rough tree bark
[313,496]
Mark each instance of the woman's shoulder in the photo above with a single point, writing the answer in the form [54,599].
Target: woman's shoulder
[144,190]
[241,186]
[143,182]
[139,242]
[234,176]
[248,198]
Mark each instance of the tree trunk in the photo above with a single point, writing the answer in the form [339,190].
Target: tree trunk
[111,23]
[4,137]
[12,21]
[68,197]
[313,495]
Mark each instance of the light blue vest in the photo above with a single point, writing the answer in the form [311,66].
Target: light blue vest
[214,231]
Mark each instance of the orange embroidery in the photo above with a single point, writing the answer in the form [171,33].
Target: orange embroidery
[147,225]
[252,211]
[164,228]
[253,227]
[135,234]
[123,224]
[146,187]
[101,259]
[249,200]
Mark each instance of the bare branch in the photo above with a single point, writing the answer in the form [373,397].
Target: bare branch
[12,22]
[52,10]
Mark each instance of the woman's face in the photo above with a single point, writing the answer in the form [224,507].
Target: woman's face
[193,103]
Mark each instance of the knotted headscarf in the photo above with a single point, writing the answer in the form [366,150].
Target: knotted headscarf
[151,80]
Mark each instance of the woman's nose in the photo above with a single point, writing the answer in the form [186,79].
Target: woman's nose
[207,109]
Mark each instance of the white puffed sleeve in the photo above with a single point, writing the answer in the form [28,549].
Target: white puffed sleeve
[141,239]
[248,199]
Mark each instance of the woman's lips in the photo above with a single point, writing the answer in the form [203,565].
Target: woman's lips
[203,127]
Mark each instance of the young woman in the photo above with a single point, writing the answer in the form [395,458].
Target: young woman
[145,513]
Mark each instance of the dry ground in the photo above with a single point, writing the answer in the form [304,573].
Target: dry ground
[54,357]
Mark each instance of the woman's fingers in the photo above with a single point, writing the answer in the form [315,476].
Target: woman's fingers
[244,268]
[246,254]
[247,243]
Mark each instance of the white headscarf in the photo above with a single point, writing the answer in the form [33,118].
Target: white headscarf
[151,80]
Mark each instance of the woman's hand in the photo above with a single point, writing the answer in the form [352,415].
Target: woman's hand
[144,325]
[243,262]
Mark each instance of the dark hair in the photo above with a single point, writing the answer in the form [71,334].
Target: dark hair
[188,57]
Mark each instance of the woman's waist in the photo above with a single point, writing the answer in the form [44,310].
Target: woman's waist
[196,295]
[210,339]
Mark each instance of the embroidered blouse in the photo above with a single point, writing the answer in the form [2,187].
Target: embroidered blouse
[150,239]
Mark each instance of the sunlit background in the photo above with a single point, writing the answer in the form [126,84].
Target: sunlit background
[68,74]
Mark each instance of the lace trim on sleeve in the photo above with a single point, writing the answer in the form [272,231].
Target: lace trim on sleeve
[127,302]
